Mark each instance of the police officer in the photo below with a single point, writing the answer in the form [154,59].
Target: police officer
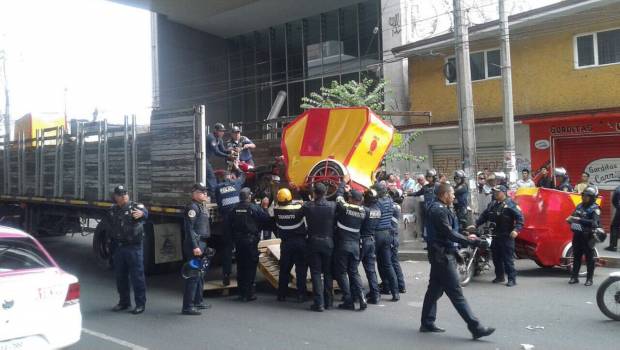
[196,227]
[461,201]
[583,222]
[396,214]
[615,222]
[241,145]
[507,219]
[227,196]
[126,224]
[291,229]
[443,234]
[320,215]
[349,219]
[217,154]
[367,252]
[384,241]
[562,181]
[428,191]
[245,222]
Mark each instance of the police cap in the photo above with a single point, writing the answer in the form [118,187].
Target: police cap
[357,196]
[200,187]
[219,127]
[245,194]
[120,190]
[500,188]
[235,129]
[590,191]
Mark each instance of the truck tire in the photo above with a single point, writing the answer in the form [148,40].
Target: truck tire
[102,246]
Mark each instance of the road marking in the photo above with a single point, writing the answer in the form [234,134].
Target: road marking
[114,340]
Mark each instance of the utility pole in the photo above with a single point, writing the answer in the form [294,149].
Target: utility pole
[509,126]
[465,100]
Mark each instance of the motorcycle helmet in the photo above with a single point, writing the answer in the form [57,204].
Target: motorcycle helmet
[370,196]
[590,191]
[459,176]
[559,172]
[599,235]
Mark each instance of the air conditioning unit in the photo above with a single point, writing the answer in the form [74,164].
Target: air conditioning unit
[330,48]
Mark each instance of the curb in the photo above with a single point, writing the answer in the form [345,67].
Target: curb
[420,255]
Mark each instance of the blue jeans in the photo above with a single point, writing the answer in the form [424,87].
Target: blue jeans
[129,265]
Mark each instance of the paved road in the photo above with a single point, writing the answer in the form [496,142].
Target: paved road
[568,314]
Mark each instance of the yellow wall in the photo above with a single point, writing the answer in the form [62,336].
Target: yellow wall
[544,80]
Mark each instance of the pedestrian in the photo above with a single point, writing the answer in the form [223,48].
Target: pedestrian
[444,233]
[544,179]
[481,182]
[614,228]
[392,182]
[245,221]
[291,229]
[408,183]
[583,222]
[384,241]
[320,216]
[562,182]
[127,227]
[367,253]
[443,179]
[227,196]
[396,216]
[197,231]
[420,182]
[525,181]
[461,201]
[241,145]
[506,220]
[349,219]
[584,183]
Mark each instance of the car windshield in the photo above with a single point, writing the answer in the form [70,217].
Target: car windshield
[21,254]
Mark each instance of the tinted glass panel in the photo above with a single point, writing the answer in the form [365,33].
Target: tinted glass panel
[294,51]
[369,27]
[451,70]
[331,46]
[21,254]
[493,64]
[608,46]
[477,66]
[312,43]
[585,50]
[278,54]
[295,93]
[350,60]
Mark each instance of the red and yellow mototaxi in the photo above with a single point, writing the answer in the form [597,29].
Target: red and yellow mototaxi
[546,237]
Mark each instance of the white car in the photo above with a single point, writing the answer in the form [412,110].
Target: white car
[39,302]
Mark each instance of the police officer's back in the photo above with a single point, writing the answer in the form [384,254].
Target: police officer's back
[197,230]
[461,200]
[291,229]
[245,221]
[584,222]
[367,253]
[126,224]
[506,219]
[320,215]
[349,219]
[384,240]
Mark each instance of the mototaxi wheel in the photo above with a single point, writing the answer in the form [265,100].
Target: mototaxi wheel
[608,298]
[328,172]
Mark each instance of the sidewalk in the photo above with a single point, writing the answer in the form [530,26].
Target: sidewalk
[414,250]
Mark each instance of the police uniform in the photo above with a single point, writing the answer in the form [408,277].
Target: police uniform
[614,228]
[196,228]
[583,237]
[245,221]
[400,278]
[367,253]
[461,203]
[349,219]
[428,191]
[565,186]
[383,245]
[291,229]
[128,256]
[507,217]
[320,214]
[443,239]
[227,197]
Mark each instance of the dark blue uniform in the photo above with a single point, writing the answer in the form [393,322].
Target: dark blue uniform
[291,229]
[400,278]
[565,186]
[216,158]
[320,215]
[507,217]
[128,256]
[196,228]
[227,196]
[349,219]
[383,245]
[583,237]
[429,192]
[615,222]
[245,221]
[367,253]
[442,240]
[461,203]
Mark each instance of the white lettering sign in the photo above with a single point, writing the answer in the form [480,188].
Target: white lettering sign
[604,173]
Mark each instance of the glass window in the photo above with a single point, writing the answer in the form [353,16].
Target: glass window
[451,70]
[494,68]
[351,76]
[275,90]
[370,29]
[349,60]
[295,93]
[262,56]
[278,54]
[331,46]
[21,254]
[264,100]
[476,63]
[608,46]
[294,44]
[312,46]
[327,81]
[585,50]
[313,85]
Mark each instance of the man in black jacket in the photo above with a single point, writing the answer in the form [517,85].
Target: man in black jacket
[443,238]
[320,214]
[615,222]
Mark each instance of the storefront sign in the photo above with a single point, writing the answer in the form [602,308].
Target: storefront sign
[604,173]
[558,130]
[541,144]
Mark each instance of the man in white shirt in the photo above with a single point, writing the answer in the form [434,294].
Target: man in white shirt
[408,184]
[525,181]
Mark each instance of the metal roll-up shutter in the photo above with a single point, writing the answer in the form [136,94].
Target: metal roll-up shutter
[447,160]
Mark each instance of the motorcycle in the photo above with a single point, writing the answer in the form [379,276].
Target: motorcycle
[608,296]
[473,261]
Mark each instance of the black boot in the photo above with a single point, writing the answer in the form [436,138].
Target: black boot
[588,282]
[573,280]
[226,280]
[482,332]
